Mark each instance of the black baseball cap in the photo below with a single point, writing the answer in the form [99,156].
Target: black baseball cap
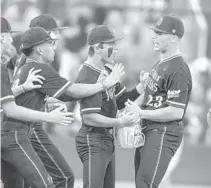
[100,34]
[46,21]
[169,24]
[6,27]
[33,37]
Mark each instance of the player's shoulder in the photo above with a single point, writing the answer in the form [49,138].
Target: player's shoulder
[87,74]
[178,65]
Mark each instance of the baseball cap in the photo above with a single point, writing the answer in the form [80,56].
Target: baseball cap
[33,37]
[5,26]
[46,21]
[169,24]
[101,33]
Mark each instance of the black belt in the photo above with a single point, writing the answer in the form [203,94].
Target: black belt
[149,122]
[15,126]
[100,130]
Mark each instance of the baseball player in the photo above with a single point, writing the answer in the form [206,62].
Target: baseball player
[49,154]
[165,102]
[38,46]
[95,141]
[53,160]
[9,139]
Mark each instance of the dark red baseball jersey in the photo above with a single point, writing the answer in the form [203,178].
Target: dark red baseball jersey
[169,84]
[53,85]
[103,102]
[107,102]
[6,92]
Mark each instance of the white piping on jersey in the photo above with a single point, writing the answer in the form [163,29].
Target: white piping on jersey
[61,90]
[17,142]
[90,160]
[159,155]
[176,103]
[89,109]
[170,58]
[7,97]
[90,66]
[118,94]
[28,60]
[50,156]
[109,66]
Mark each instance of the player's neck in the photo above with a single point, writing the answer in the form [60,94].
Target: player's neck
[170,53]
[36,59]
[96,62]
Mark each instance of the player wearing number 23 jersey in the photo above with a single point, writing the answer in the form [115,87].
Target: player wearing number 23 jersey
[169,84]
[166,98]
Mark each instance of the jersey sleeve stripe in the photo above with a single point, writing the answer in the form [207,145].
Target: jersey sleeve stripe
[7,97]
[62,90]
[121,92]
[90,110]
[175,104]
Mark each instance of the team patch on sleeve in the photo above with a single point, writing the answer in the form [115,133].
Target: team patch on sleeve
[173,94]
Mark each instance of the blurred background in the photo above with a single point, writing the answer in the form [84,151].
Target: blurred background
[130,18]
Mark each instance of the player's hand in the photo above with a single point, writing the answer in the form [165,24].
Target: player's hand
[33,77]
[57,116]
[209,118]
[127,120]
[143,77]
[52,106]
[142,81]
[115,76]
[133,107]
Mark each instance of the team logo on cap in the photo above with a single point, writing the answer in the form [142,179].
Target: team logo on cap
[159,22]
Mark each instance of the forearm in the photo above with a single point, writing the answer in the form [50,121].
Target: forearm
[163,114]
[83,90]
[98,120]
[18,112]
[132,95]
[18,90]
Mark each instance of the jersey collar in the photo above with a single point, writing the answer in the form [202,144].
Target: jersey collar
[29,60]
[170,58]
[92,67]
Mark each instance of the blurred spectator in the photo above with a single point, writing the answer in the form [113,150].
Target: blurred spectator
[21,12]
[200,100]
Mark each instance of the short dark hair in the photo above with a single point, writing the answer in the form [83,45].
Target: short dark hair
[27,52]
[91,51]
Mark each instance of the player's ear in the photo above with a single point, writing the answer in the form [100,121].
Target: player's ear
[174,38]
[39,50]
[98,48]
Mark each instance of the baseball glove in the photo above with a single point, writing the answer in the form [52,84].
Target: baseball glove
[130,137]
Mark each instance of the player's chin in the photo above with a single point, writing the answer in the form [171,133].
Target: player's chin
[156,49]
